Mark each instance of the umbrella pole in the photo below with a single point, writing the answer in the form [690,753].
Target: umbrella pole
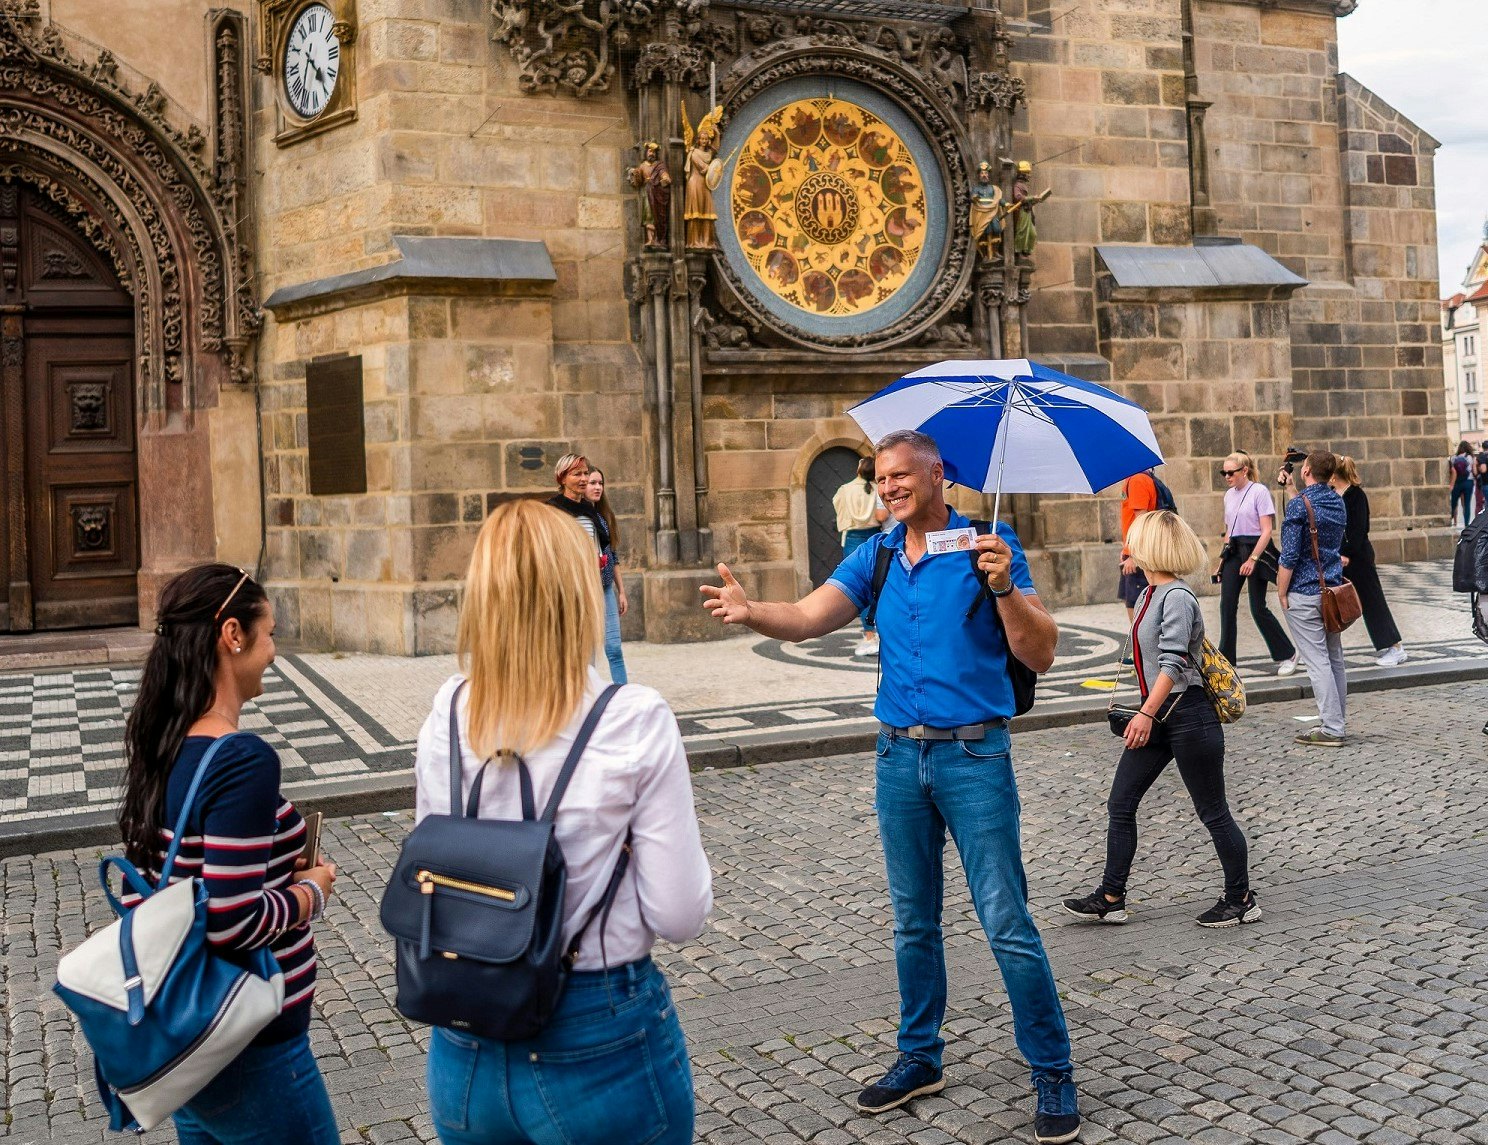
[1002,429]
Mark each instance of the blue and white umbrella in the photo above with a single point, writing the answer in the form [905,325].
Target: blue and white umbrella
[1013,426]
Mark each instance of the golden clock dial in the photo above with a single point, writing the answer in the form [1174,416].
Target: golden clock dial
[828,206]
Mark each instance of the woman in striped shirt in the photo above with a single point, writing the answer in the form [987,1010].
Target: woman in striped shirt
[214,639]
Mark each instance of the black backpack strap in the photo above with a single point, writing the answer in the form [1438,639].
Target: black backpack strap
[581,741]
[601,909]
[881,561]
[456,771]
[472,805]
[983,592]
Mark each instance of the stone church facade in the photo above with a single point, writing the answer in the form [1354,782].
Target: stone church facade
[316,287]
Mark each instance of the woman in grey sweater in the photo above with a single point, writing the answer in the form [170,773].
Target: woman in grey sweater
[1176,722]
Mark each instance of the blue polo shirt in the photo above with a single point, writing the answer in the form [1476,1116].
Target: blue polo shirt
[939,669]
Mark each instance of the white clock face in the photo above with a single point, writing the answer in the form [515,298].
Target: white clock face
[312,60]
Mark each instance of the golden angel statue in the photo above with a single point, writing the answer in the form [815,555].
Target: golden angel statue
[704,173]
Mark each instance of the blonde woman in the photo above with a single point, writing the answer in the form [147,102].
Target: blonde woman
[1176,722]
[1247,554]
[530,624]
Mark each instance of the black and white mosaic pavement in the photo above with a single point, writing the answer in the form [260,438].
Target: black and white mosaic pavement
[61,735]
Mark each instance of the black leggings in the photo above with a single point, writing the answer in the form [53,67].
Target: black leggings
[1192,735]
[1278,644]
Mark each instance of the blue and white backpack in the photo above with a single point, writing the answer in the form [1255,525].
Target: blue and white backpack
[163,1011]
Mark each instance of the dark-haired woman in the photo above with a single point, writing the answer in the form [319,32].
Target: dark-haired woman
[1460,476]
[214,639]
[616,605]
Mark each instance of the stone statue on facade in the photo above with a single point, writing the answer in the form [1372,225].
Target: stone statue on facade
[704,173]
[1025,233]
[652,179]
[986,213]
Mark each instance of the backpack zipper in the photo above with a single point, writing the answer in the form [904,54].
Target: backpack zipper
[428,880]
[195,1044]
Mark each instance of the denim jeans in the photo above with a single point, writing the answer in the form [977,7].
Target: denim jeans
[925,788]
[1462,491]
[267,1093]
[612,636]
[852,540]
[611,1067]
[1190,734]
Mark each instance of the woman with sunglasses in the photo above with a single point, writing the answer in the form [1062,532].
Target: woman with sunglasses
[1250,523]
[214,638]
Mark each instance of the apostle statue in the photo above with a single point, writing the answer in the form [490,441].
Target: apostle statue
[1025,234]
[986,213]
[652,179]
[704,173]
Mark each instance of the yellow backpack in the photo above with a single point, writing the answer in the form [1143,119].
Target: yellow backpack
[1221,681]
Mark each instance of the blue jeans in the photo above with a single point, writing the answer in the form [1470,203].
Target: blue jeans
[612,636]
[611,1067]
[852,539]
[925,787]
[1462,491]
[267,1093]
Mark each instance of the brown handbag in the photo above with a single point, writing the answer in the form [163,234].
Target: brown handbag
[1339,603]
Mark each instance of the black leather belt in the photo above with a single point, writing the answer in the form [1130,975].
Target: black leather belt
[965,732]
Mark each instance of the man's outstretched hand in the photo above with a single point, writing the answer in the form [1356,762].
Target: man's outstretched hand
[727,603]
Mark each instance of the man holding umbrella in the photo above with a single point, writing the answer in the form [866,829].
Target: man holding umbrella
[943,757]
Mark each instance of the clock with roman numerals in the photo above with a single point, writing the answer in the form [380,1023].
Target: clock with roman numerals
[312,61]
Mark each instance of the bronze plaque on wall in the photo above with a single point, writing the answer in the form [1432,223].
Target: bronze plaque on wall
[333,400]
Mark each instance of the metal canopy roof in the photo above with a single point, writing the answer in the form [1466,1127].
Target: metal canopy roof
[1205,266]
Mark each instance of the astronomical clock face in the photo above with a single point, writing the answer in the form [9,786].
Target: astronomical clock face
[833,211]
[828,207]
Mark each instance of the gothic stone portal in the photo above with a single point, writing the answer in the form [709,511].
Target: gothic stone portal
[69,544]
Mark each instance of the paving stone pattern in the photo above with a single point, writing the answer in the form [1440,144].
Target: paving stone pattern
[61,735]
[1352,1013]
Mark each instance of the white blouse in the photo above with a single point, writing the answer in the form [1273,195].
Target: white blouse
[633,775]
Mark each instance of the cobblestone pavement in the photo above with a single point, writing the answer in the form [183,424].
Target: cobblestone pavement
[1352,1013]
[349,717]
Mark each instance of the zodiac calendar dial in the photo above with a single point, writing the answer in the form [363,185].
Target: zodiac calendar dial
[828,207]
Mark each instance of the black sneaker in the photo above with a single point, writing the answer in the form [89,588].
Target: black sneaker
[909,1078]
[1056,1118]
[1097,908]
[1226,913]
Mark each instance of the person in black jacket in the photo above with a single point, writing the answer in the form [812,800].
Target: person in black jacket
[1359,567]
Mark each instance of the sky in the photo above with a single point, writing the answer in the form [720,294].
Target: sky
[1424,58]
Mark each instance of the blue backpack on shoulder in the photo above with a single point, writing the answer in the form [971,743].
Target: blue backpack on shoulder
[162,1011]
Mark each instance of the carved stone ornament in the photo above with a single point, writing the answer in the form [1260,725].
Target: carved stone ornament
[136,186]
[567,45]
[995,90]
[942,130]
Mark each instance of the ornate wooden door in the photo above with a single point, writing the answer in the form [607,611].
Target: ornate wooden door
[71,542]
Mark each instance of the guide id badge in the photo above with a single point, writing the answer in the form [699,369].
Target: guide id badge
[950,541]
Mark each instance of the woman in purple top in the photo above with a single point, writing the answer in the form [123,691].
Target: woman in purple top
[1248,556]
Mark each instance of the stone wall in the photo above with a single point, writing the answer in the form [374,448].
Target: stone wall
[457,385]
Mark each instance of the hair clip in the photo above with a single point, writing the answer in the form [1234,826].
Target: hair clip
[160,629]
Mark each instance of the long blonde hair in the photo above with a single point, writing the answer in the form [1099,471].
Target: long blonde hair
[529,626]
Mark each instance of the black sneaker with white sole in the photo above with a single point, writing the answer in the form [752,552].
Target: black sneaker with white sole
[1097,908]
[908,1078]
[1226,913]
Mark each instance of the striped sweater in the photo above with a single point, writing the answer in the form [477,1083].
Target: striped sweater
[243,843]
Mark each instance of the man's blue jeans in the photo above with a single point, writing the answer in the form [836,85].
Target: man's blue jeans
[611,1068]
[924,788]
[266,1093]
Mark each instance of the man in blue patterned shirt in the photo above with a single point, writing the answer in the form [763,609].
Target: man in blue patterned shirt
[1300,592]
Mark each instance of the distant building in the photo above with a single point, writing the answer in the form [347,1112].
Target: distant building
[1462,356]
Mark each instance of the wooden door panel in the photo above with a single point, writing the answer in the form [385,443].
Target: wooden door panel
[84,519]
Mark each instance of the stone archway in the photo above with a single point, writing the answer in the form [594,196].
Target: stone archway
[161,204]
